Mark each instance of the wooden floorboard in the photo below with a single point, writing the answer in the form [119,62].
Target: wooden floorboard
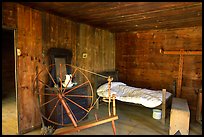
[9,114]
[133,120]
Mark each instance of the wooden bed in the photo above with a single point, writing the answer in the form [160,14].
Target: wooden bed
[166,102]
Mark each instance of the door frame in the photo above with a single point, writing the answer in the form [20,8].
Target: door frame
[15,35]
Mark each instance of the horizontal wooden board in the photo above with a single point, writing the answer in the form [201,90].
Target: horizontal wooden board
[141,64]
[127,16]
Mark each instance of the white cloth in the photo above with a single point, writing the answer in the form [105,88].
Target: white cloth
[145,97]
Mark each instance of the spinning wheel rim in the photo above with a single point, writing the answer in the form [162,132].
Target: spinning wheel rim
[63,94]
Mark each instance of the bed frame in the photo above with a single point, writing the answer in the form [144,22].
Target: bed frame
[166,103]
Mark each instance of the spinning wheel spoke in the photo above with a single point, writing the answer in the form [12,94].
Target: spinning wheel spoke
[48,101]
[46,94]
[62,114]
[53,109]
[70,80]
[61,77]
[52,78]
[76,104]
[76,87]
[82,96]
[74,72]
[44,83]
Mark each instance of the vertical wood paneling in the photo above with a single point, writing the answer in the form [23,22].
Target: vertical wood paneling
[140,64]
[30,44]
[73,43]
[100,48]
[57,32]
[37,33]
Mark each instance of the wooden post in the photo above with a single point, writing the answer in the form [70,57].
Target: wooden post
[114,113]
[180,73]
[109,101]
[109,94]
[114,108]
[181,52]
[199,107]
[163,106]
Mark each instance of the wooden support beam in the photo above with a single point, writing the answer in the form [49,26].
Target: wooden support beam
[199,107]
[181,52]
[185,52]
[180,73]
[163,106]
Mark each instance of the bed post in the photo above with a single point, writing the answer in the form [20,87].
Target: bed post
[163,105]
[114,114]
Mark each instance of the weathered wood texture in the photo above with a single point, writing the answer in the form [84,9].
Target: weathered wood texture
[140,64]
[80,38]
[57,32]
[179,117]
[127,16]
[29,27]
[9,14]
[37,32]
[199,106]
[132,121]
[100,48]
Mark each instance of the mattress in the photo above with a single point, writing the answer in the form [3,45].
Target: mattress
[146,97]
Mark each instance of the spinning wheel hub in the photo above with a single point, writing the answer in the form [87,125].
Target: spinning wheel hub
[60,96]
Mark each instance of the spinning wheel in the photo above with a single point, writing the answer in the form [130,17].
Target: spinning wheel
[64,102]
[58,101]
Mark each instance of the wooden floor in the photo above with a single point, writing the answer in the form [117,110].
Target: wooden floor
[9,114]
[133,120]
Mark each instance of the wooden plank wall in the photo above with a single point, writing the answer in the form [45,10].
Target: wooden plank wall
[80,38]
[37,32]
[140,63]
[9,15]
[57,33]
[30,43]
[100,48]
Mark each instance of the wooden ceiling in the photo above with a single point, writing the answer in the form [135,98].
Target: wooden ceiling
[126,16]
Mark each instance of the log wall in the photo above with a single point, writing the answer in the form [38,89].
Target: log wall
[140,63]
[37,32]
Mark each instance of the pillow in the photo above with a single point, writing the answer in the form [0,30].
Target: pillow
[104,87]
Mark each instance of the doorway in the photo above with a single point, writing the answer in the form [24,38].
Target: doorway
[9,90]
